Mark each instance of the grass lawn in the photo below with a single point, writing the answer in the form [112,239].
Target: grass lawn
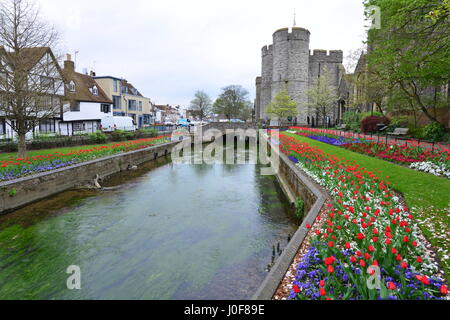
[427,195]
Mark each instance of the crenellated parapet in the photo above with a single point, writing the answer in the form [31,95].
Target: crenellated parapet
[332,56]
[267,50]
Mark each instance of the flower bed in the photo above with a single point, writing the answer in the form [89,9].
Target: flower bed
[407,154]
[368,235]
[15,168]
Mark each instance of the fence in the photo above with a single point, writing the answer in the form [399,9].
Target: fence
[49,142]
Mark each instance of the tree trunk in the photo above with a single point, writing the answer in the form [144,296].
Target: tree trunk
[22,146]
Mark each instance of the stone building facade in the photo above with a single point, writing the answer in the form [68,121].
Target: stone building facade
[289,63]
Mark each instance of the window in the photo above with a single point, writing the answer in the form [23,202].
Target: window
[2,127]
[75,106]
[72,86]
[134,91]
[95,91]
[105,108]
[47,126]
[124,89]
[115,85]
[140,105]
[78,126]
[117,102]
[132,105]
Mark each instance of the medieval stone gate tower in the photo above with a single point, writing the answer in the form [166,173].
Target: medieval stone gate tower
[288,64]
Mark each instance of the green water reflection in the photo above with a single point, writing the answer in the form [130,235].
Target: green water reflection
[167,232]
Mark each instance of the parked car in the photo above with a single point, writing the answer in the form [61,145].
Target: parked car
[110,124]
[184,122]
[237,121]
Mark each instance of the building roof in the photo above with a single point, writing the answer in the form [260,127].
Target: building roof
[83,85]
[31,56]
[361,65]
[130,87]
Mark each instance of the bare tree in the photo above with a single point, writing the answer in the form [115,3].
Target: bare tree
[322,97]
[31,85]
[201,105]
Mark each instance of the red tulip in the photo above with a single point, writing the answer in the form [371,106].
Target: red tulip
[391,286]
[444,290]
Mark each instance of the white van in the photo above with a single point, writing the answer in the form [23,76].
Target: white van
[110,124]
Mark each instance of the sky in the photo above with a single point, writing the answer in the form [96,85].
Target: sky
[169,49]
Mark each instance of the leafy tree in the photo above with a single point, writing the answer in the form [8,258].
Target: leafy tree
[322,97]
[233,102]
[282,106]
[201,105]
[411,51]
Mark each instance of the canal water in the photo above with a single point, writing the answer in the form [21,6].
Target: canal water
[166,231]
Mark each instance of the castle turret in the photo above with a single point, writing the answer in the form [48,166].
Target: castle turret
[266,79]
[288,64]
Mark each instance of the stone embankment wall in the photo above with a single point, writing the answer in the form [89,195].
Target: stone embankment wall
[36,187]
[295,184]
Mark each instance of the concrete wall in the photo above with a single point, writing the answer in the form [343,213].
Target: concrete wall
[295,184]
[37,187]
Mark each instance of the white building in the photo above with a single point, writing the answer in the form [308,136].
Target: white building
[86,103]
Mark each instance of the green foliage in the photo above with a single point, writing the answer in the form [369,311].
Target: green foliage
[233,102]
[300,208]
[411,50]
[399,122]
[149,132]
[353,119]
[416,132]
[97,137]
[282,106]
[120,135]
[434,132]
[12,193]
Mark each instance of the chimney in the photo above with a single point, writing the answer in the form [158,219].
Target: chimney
[69,65]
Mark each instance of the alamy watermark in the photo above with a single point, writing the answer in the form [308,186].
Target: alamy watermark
[74,281]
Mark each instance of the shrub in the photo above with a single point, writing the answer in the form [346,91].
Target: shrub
[119,135]
[416,132]
[352,119]
[151,132]
[434,132]
[370,124]
[98,137]
[399,122]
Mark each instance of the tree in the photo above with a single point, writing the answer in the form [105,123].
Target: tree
[411,51]
[233,102]
[30,78]
[322,97]
[282,106]
[201,105]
